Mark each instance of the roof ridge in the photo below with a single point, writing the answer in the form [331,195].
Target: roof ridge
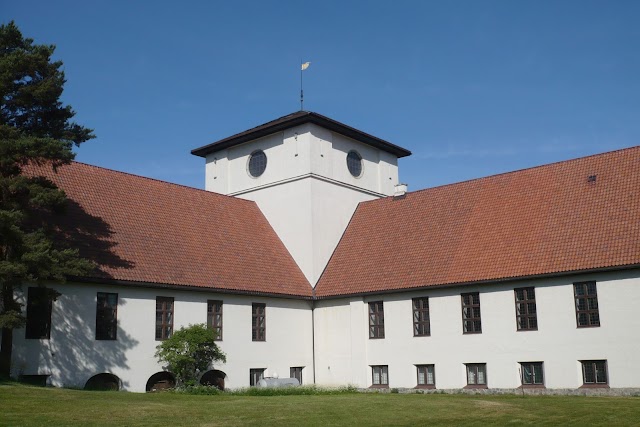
[186,187]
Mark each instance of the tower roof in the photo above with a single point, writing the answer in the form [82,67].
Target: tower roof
[296,119]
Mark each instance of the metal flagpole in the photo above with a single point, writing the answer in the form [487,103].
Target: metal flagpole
[303,66]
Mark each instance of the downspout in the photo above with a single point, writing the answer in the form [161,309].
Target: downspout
[313,336]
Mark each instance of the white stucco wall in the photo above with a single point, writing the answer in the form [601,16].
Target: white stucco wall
[309,216]
[557,342]
[72,355]
[297,152]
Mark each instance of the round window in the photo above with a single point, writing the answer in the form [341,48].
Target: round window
[257,163]
[354,163]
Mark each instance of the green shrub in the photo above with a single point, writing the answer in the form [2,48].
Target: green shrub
[202,390]
[267,391]
[189,351]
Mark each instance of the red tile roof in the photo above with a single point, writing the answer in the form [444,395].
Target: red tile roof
[545,220]
[148,231]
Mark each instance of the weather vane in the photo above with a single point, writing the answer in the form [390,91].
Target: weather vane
[303,66]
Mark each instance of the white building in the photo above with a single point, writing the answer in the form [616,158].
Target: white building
[312,262]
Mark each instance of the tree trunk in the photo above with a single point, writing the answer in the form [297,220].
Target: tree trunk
[5,352]
[6,344]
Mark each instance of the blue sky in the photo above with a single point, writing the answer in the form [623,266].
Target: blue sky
[472,88]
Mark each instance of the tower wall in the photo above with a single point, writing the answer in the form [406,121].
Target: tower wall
[306,192]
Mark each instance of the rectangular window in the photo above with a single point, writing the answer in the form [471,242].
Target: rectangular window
[586,296]
[426,375]
[421,325]
[164,318]
[594,372]
[106,316]
[255,375]
[259,325]
[376,320]
[471,323]
[477,374]
[39,306]
[214,317]
[531,373]
[380,376]
[526,316]
[296,373]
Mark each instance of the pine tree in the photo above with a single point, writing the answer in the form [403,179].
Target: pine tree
[35,129]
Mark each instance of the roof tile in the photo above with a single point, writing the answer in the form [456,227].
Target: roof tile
[143,230]
[543,220]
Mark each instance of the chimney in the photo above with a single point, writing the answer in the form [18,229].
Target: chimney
[399,190]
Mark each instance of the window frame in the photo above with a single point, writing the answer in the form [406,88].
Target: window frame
[39,311]
[476,367]
[383,372]
[256,373]
[106,317]
[528,291]
[592,364]
[296,372]
[212,319]
[354,160]
[532,384]
[166,327]
[422,326]
[258,333]
[375,312]
[251,167]
[471,320]
[586,297]
[426,367]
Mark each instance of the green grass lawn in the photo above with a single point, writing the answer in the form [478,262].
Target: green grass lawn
[25,405]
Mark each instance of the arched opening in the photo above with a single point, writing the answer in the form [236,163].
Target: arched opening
[161,381]
[213,378]
[103,382]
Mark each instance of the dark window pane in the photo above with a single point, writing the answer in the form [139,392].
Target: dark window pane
[164,317]
[259,322]
[257,163]
[106,316]
[354,163]
[376,319]
[471,313]
[586,304]
[39,307]
[421,316]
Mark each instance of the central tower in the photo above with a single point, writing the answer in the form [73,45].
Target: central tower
[307,173]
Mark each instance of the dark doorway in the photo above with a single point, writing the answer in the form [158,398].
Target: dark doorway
[103,382]
[161,381]
[213,378]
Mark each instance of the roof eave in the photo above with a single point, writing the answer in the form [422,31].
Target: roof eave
[296,120]
[157,285]
[478,282]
